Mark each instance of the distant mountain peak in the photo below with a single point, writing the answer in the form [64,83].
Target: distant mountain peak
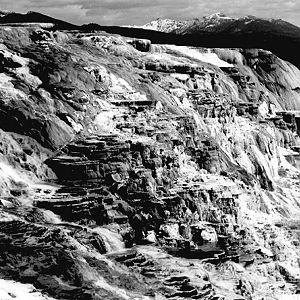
[218,22]
[217,15]
[31,17]
[4,13]
[169,25]
[165,25]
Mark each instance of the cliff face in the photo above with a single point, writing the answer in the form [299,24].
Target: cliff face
[136,170]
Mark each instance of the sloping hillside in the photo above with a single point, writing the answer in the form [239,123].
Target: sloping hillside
[137,170]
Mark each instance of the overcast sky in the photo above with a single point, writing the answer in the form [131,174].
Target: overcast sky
[127,12]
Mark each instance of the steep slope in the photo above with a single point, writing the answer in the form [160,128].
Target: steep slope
[171,169]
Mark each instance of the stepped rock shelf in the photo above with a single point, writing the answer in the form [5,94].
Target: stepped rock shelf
[133,170]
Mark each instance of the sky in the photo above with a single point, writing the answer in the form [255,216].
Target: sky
[138,12]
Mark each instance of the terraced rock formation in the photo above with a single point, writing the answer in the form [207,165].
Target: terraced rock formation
[144,171]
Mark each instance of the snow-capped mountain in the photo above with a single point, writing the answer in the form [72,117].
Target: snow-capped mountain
[165,25]
[214,20]
[169,25]
[219,22]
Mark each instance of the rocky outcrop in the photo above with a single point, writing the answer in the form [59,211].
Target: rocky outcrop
[176,156]
[54,263]
[140,45]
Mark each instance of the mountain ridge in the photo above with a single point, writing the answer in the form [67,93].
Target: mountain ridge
[7,17]
[209,22]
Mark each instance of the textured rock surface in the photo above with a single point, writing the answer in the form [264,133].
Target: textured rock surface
[131,170]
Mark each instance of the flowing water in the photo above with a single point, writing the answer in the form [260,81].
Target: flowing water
[113,241]
[51,217]
[297,161]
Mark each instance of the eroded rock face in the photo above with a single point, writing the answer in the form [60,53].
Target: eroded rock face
[173,153]
[141,45]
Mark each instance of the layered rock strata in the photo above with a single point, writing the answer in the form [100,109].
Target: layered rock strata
[168,168]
